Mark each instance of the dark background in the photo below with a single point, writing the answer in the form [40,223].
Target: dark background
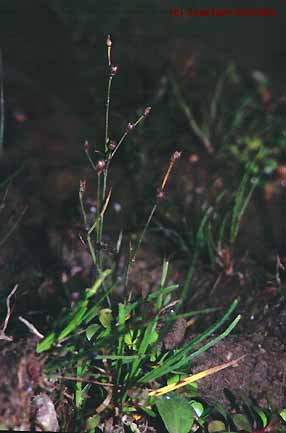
[61,43]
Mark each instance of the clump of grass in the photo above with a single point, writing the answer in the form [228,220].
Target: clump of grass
[108,351]
[221,247]
[236,116]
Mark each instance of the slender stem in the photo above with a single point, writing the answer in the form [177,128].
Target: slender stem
[107,114]
[83,209]
[119,144]
[140,119]
[132,259]
[98,227]
[90,160]
[145,229]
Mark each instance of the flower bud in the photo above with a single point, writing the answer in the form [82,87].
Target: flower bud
[108,41]
[100,166]
[82,186]
[160,194]
[130,126]
[176,155]
[86,146]
[147,111]
[113,70]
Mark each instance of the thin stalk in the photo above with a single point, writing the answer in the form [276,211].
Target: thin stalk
[90,160]
[144,231]
[105,174]
[112,154]
[107,114]
[99,226]
[134,125]
[160,194]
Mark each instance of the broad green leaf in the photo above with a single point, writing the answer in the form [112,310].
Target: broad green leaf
[91,330]
[241,422]
[92,422]
[282,413]
[198,407]
[105,317]
[176,413]
[216,426]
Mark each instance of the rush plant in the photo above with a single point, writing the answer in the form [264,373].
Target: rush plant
[111,352]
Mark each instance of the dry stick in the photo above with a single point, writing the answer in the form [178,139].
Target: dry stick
[32,328]
[2,331]
[84,380]
[279,266]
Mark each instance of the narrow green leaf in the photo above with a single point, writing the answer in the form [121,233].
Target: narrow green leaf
[183,356]
[47,343]
[164,272]
[262,415]
[75,321]
[93,290]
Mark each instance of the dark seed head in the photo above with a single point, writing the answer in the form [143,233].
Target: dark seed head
[147,111]
[130,126]
[113,70]
[82,186]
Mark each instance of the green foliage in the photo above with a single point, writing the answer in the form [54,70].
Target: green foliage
[214,418]
[219,228]
[236,117]
[114,351]
[176,412]
[126,341]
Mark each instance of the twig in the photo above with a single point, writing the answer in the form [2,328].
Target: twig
[32,328]
[3,336]
[84,380]
[279,266]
